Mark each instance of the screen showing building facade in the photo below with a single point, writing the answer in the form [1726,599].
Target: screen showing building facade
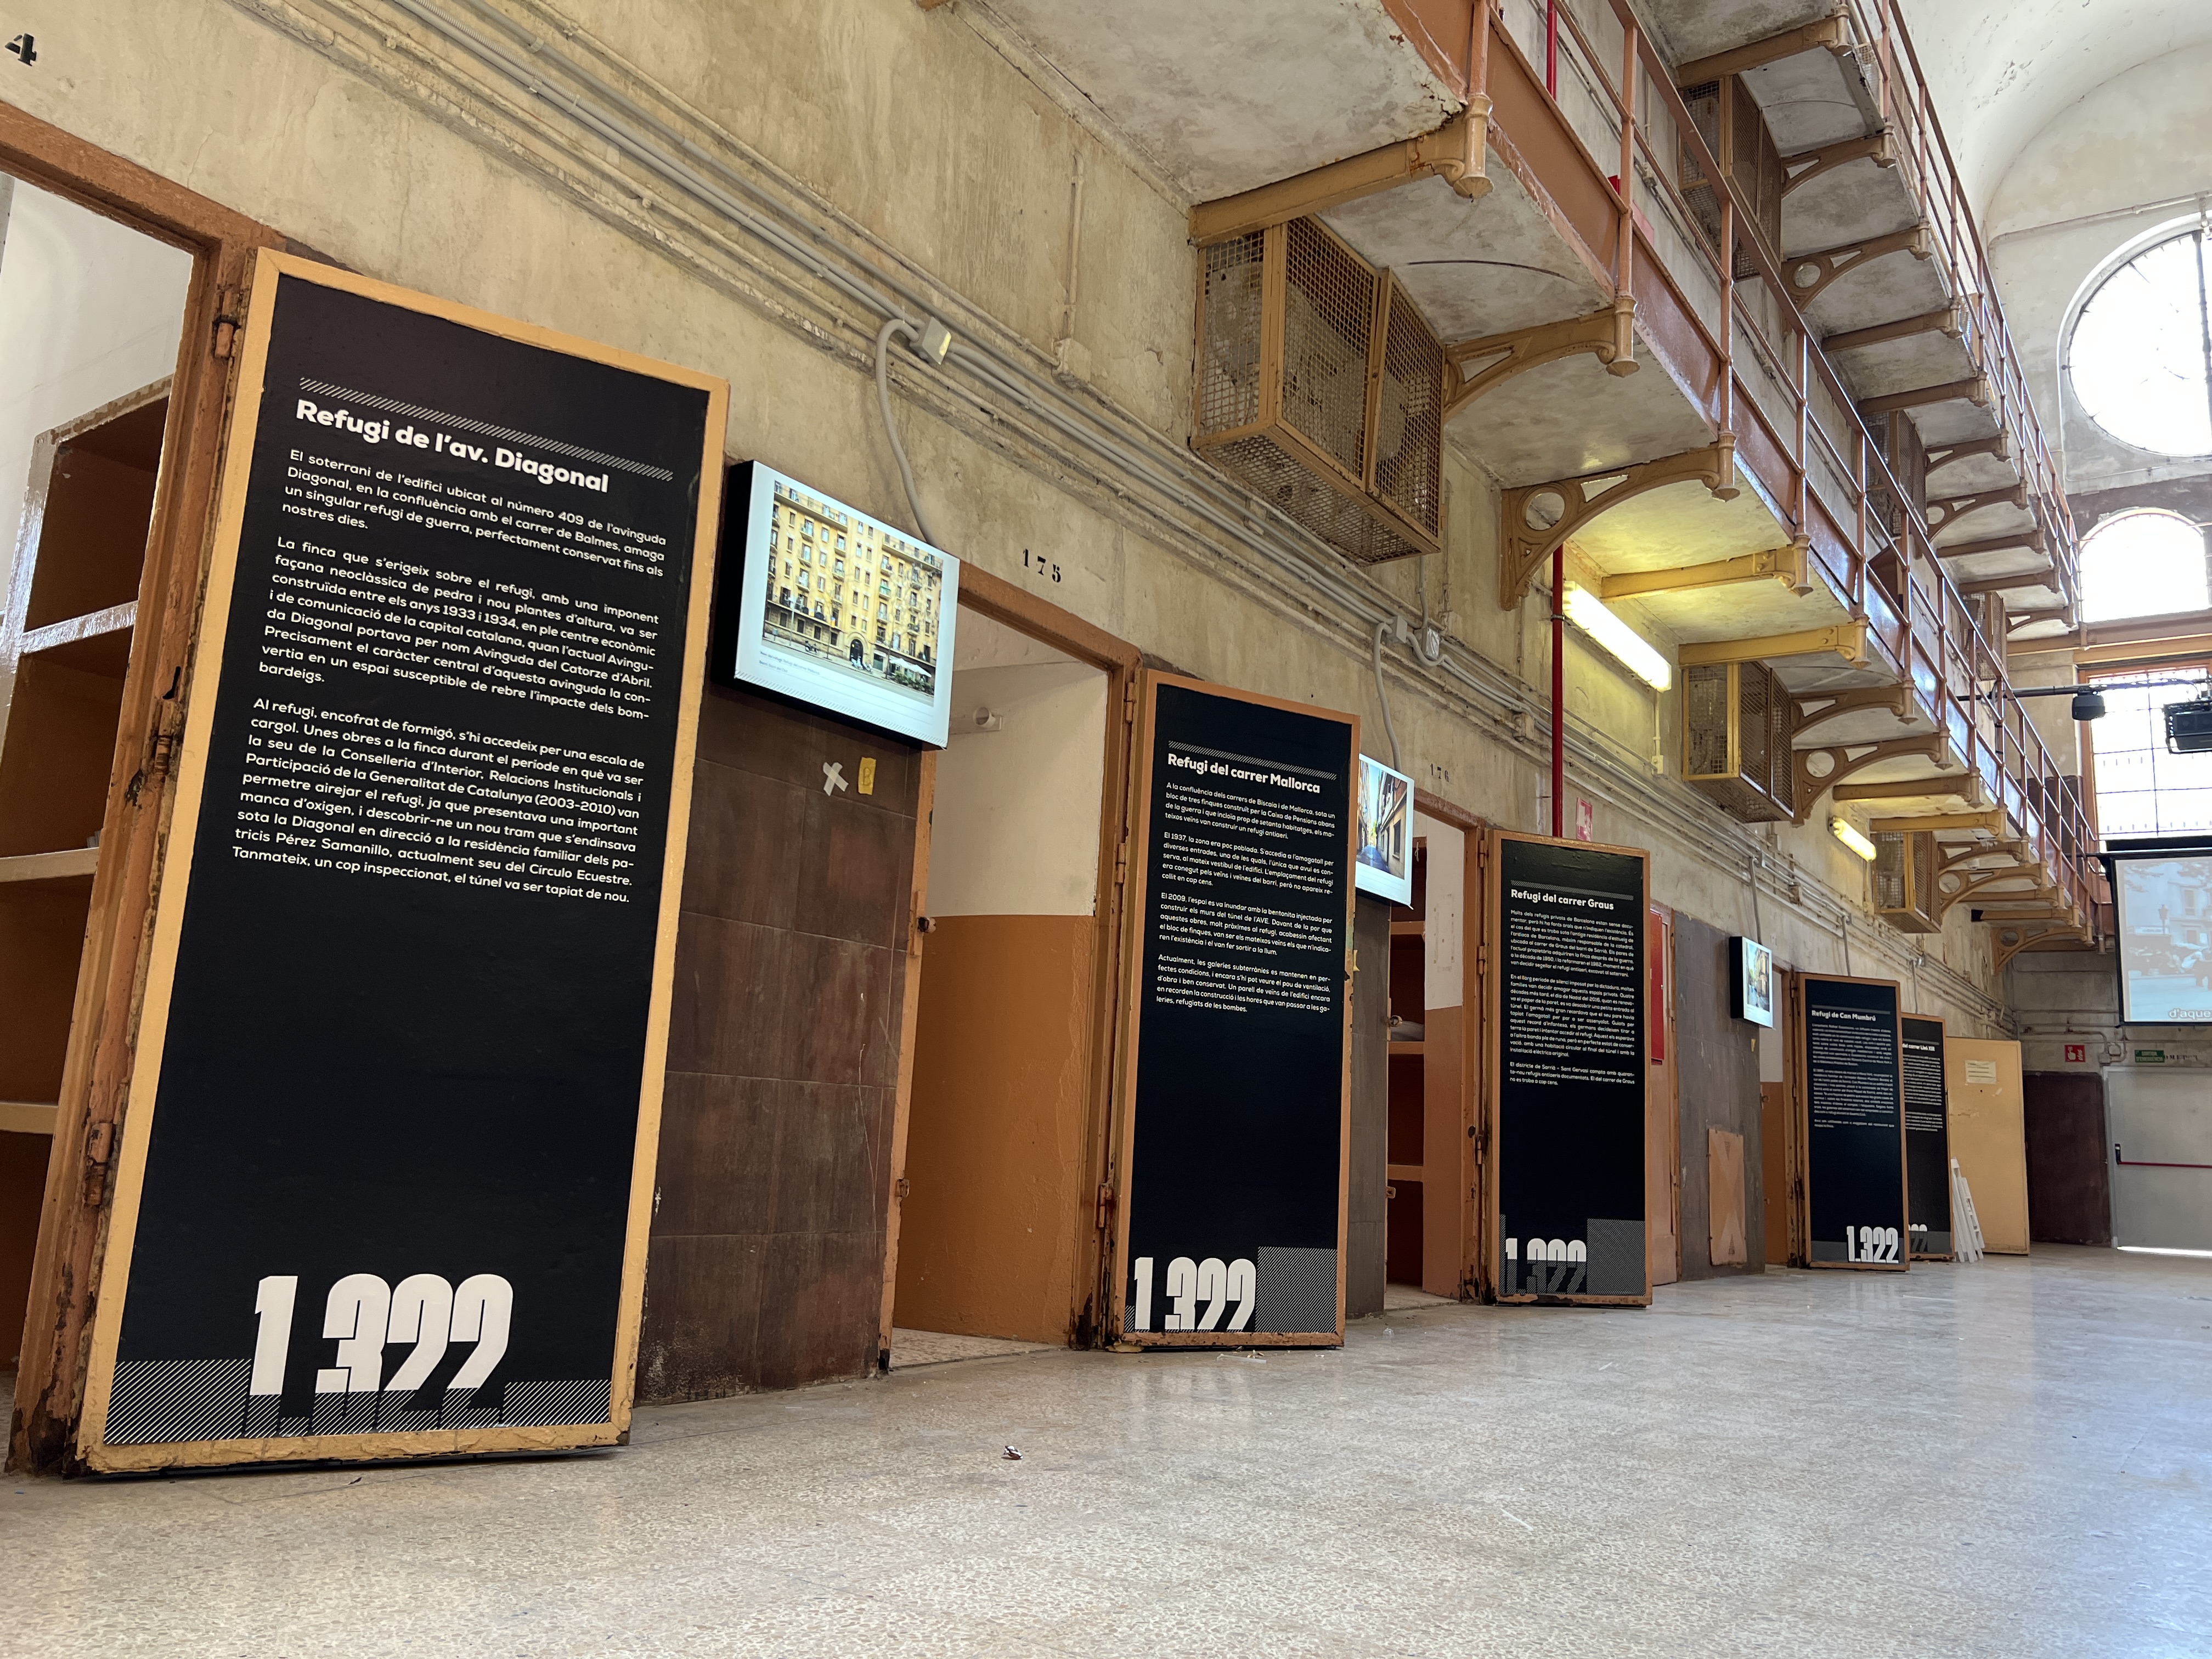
[2165,926]
[827,606]
[1385,864]
[1751,992]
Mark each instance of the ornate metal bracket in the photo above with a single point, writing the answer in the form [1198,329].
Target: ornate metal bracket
[2011,938]
[1811,273]
[1941,455]
[1538,520]
[1845,759]
[1951,508]
[1880,148]
[1608,335]
[1820,706]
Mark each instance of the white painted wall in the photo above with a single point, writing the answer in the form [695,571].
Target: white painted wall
[2000,74]
[1016,826]
[1444,975]
[89,311]
[2073,200]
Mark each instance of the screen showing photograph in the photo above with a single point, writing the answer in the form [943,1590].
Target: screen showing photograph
[2165,925]
[830,607]
[1385,866]
[1754,990]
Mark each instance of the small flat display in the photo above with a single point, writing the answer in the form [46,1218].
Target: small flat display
[821,604]
[2164,929]
[1385,866]
[1853,1064]
[1751,981]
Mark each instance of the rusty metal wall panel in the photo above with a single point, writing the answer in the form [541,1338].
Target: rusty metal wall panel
[767,1260]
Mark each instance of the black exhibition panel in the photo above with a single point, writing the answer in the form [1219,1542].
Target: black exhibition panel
[389,1175]
[1568,927]
[1855,1127]
[1927,1138]
[1235,1162]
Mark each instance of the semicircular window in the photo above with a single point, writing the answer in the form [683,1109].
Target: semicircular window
[2144,562]
[2142,348]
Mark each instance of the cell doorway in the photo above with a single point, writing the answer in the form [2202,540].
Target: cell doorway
[998,1213]
[91,318]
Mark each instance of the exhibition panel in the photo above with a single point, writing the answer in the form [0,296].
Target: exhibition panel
[400,1074]
[1566,1057]
[1846,1062]
[1927,1138]
[1235,1044]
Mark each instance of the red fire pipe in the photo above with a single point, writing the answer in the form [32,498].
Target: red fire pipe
[1551,75]
[1559,693]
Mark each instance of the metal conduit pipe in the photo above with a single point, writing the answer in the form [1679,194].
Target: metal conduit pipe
[1088,424]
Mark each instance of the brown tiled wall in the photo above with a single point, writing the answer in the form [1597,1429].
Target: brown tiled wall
[767,1257]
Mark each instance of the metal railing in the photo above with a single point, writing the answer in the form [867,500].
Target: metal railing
[1799,436]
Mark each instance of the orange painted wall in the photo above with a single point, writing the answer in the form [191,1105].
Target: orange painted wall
[995,1143]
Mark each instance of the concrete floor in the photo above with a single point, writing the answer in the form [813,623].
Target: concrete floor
[2008,1459]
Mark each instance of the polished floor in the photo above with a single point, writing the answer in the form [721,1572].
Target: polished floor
[2008,1459]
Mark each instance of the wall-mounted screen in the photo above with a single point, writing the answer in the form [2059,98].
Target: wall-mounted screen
[1751,981]
[829,607]
[2164,929]
[1385,864]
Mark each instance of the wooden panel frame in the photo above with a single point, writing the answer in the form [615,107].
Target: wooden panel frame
[1797,1082]
[1475,907]
[1130,1000]
[1017,607]
[176,868]
[65,1274]
[1492,956]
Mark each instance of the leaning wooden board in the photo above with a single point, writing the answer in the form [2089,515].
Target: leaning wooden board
[386,1171]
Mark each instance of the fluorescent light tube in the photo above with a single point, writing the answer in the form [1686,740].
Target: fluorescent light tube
[1587,612]
[1851,838]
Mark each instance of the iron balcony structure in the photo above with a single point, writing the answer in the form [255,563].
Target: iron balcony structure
[1707,300]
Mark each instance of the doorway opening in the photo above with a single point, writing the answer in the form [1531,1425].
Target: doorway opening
[997,1209]
[91,318]
[1428,1224]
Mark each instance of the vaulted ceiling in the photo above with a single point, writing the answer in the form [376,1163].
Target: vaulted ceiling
[2001,70]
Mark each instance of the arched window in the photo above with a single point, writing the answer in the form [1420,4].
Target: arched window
[2143,563]
[2141,354]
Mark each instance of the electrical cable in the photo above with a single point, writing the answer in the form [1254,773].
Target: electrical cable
[898,325]
[1383,691]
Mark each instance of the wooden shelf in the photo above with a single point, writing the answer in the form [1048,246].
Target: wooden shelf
[1405,1172]
[51,867]
[26,1117]
[1406,929]
[1416,1049]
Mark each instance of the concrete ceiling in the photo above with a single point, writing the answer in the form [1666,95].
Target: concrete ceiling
[1999,74]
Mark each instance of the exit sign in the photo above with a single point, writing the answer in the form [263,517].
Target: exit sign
[2150,1056]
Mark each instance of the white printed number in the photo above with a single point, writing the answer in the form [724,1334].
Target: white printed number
[1212,1281]
[366,1314]
[1870,1244]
